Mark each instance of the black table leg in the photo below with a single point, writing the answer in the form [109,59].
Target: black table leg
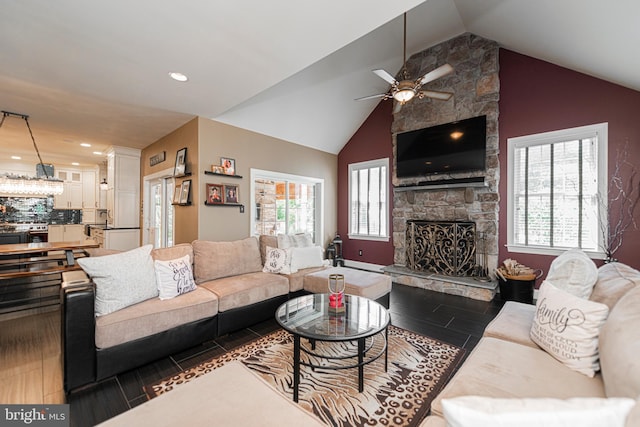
[296,366]
[386,347]
[361,364]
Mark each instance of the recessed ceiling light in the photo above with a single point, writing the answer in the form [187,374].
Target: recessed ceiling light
[85,144]
[75,163]
[16,157]
[178,77]
[98,153]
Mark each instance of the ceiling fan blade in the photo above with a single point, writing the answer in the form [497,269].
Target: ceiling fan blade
[385,76]
[435,94]
[436,74]
[380,95]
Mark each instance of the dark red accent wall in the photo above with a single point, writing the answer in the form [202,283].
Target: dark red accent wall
[371,141]
[536,96]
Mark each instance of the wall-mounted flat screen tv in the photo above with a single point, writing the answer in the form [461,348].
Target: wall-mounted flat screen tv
[453,147]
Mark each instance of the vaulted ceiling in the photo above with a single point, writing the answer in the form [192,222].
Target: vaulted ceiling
[97,72]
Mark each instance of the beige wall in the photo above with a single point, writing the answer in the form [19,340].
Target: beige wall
[253,150]
[186,217]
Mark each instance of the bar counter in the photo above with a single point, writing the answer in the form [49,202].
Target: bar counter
[31,273]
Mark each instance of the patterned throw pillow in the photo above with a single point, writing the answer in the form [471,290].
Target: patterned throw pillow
[278,261]
[567,327]
[121,279]
[174,277]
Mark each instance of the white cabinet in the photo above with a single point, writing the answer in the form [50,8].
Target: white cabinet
[66,233]
[71,197]
[122,239]
[123,195]
[89,196]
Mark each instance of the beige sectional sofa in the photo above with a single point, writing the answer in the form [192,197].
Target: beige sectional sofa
[507,363]
[232,292]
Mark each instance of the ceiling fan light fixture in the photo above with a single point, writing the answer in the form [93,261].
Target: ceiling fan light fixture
[404,95]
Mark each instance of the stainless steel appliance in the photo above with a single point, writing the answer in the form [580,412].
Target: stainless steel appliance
[37,232]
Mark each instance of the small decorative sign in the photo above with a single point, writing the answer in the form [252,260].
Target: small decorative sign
[158,158]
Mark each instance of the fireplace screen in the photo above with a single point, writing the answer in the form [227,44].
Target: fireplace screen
[447,248]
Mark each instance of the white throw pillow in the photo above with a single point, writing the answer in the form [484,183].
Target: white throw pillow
[174,277]
[300,240]
[574,272]
[121,279]
[307,257]
[567,327]
[479,411]
[278,261]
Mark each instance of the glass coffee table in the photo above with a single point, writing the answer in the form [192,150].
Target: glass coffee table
[362,322]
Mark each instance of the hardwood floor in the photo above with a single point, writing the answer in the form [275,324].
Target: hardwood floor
[31,365]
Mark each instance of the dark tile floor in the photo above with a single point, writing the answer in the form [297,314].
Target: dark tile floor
[453,319]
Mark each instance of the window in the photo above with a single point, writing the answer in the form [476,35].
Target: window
[369,200]
[286,204]
[557,191]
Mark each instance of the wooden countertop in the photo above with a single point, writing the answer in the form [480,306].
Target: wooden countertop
[28,248]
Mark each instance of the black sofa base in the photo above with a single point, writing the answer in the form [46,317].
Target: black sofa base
[114,360]
[241,317]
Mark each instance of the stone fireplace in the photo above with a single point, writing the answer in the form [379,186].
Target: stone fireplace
[463,198]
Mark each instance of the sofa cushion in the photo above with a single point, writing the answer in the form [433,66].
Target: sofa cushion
[154,315]
[121,279]
[246,289]
[620,347]
[264,242]
[574,272]
[513,323]
[296,280]
[174,277]
[614,280]
[498,368]
[584,412]
[214,260]
[173,252]
[567,327]
[278,261]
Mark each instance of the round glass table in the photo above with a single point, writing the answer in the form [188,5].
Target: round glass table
[360,321]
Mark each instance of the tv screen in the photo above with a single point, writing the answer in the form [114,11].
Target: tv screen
[453,147]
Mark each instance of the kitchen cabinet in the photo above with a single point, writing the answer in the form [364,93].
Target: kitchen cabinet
[66,233]
[123,195]
[118,239]
[89,196]
[71,197]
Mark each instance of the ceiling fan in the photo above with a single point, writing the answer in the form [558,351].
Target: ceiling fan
[406,89]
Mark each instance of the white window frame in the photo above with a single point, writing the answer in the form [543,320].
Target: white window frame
[256,174]
[599,130]
[369,165]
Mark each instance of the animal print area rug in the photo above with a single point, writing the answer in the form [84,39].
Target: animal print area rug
[418,367]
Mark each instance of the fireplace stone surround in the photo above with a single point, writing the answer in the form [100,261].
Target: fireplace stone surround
[467,197]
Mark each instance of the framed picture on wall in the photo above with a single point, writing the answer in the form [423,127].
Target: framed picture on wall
[229,165]
[176,194]
[231,193]
[215,194]
[181,160]
[184,194]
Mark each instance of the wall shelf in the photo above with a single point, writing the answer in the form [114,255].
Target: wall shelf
[222,174]
[232,205]
[181,204]
[182,175]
